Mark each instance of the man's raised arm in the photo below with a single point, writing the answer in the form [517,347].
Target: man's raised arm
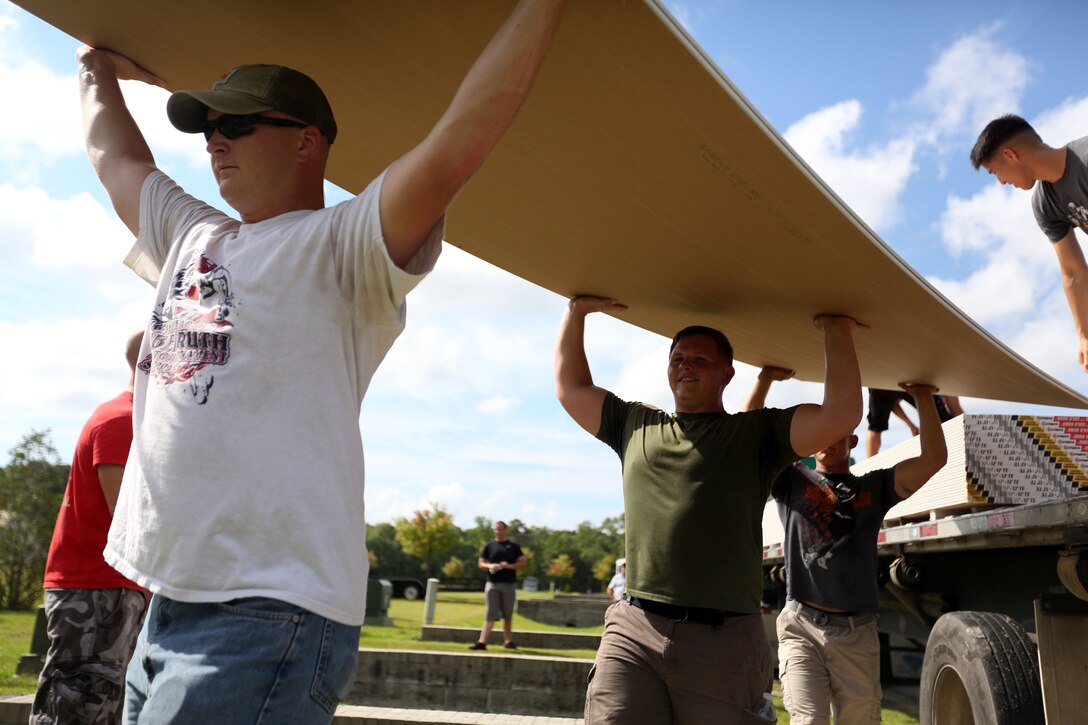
[757,396]
[573,381]
[814,427]
[118,152]
[913,472]
[421,184]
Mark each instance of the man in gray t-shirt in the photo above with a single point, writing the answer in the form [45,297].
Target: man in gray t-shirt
[828,648]
[1010,149]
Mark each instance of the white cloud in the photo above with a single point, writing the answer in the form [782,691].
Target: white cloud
[62,371]
[994,293]
[1064,123]
[972,82]
[39,132]
[496,405]
[992,219]
[871,180]
[74,234]
[9,27]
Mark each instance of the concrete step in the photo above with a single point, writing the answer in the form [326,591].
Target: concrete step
[16,711]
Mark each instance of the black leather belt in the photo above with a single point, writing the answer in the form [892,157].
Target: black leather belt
[699,615]
[834,619]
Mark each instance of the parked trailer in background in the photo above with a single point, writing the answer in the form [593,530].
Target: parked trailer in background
[984,573]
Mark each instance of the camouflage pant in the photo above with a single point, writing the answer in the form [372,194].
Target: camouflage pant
[92,633]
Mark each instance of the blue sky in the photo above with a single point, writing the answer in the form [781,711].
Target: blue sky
[882,100]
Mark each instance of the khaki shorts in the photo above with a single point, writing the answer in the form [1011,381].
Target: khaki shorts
[828,667]
[500,601]
[651,670]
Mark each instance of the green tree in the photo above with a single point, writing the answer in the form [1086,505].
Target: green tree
[381,541]
[604,569]
[531,566]
[427,534]
[562,569]
[31,492]
[454,568]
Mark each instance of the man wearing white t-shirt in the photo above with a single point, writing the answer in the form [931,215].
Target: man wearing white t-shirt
[618,583]
[242,503]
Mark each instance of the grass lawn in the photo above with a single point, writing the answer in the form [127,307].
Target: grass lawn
[15,631]
[460,609]
[454,609]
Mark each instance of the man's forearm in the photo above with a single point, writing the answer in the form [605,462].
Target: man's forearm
[757,396]
[1076,294]
[109,130]
[571,364]
[496,86]
[930,433]
[842,385]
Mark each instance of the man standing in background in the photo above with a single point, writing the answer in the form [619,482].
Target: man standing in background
[93,613]
[501,559]
[619,582]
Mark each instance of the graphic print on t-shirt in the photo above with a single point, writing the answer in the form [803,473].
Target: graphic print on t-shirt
[830,509]
[1078,216]
[188,332]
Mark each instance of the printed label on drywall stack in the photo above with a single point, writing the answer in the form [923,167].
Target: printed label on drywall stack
[1017,459]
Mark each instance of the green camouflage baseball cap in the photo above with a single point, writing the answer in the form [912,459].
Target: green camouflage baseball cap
[254,89]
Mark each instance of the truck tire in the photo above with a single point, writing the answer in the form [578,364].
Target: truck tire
[411,591]
[980,668]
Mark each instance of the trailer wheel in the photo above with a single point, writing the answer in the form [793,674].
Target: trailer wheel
[411,591]
[980,668]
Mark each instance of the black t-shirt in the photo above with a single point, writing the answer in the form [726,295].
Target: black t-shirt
[831,522]
[496,551]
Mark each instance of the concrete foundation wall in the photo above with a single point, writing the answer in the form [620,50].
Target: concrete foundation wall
[474,682]
[566,611]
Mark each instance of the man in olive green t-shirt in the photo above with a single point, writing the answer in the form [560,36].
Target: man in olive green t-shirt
[687,644]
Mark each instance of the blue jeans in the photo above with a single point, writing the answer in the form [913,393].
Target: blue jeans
[254,660]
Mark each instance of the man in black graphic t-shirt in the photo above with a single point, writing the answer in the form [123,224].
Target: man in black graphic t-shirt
[828,648]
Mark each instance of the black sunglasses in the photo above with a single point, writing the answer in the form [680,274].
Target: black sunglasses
[231,127]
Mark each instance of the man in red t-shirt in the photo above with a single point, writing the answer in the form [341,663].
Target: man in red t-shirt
[94,614]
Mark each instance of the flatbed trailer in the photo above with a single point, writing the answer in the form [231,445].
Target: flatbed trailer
[995,604]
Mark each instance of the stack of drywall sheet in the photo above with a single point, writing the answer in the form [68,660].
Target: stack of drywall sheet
[998,459]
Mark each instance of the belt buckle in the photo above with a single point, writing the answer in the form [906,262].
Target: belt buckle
[685,617]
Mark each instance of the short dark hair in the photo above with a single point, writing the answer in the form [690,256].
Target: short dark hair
[997,133]
[502,524]
[719,338]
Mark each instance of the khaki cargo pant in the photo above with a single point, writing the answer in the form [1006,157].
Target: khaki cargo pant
[651,670]
[826,668]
